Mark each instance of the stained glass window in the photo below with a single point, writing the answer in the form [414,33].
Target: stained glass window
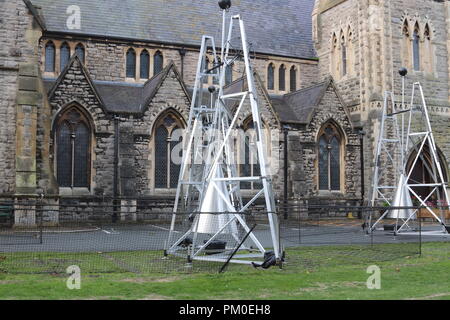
[251,167]
[293,79]
[161,153]
[49,57]
[270,77]
[131,64]
[145,65]
[64,55]
[329,159]
[416,50]
[323,164]
[73,149]
[158,62]
[167,164]
[282,78]
[79,51]
[228,75]
[344,56]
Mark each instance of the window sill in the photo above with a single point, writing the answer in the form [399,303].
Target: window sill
[74,192]
[161,191]
[328,193]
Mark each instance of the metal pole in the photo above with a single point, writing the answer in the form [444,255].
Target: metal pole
[286,132]
[116,168]
[361,159]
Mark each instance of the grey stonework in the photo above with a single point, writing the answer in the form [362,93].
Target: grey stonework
[352,102]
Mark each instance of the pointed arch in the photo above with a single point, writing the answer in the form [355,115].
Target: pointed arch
[350,52]
[249,164]
[144,64]
[64,55]
[343,56]
[131,63]
[80,52]
[423,169]
[50,54]
[406,44]
[228,74]
[158,62]
[282,78]
[167,139]
[416,47]
[428,50]
[73,136]
[270,77]
[334,65]
[330,157]
[293,79]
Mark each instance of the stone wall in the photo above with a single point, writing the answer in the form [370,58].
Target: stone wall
[18,45]
[75,89]
[330,108]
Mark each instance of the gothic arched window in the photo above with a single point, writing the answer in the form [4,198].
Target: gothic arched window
[79,51]
[282,78]
[270,77]
[293,79]
[333,57]
[416,48]
[158,62]
[64,55]
[228,74]
[249,164]
[167,136]
[73,145]
[145,64]
[428,54]
[50,57]
[329,155]
[131,63]
[343,57]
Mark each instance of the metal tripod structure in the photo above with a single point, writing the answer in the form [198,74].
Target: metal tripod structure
[395,147]
[209,186]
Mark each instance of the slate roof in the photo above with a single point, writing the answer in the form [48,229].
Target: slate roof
[297,107]
[122,97]
[278,27]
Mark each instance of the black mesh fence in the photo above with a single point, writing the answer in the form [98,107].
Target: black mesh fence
[43,236]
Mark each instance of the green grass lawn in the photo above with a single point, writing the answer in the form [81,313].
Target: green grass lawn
[309,273]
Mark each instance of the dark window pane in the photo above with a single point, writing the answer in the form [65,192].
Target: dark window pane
[205,67]
[158,62]
[64,156]
[282,78]
[174,167]
[131,64]
[228,75]
[270,77]
[344,58]
[246,167]
[50,57]
[335,170]
[79,51]
[161,136]
[323,164]
[81,156]
[145,64]
[416,51]
[64,55]
[293,78]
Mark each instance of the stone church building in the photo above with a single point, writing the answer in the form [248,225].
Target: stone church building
[92,93]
